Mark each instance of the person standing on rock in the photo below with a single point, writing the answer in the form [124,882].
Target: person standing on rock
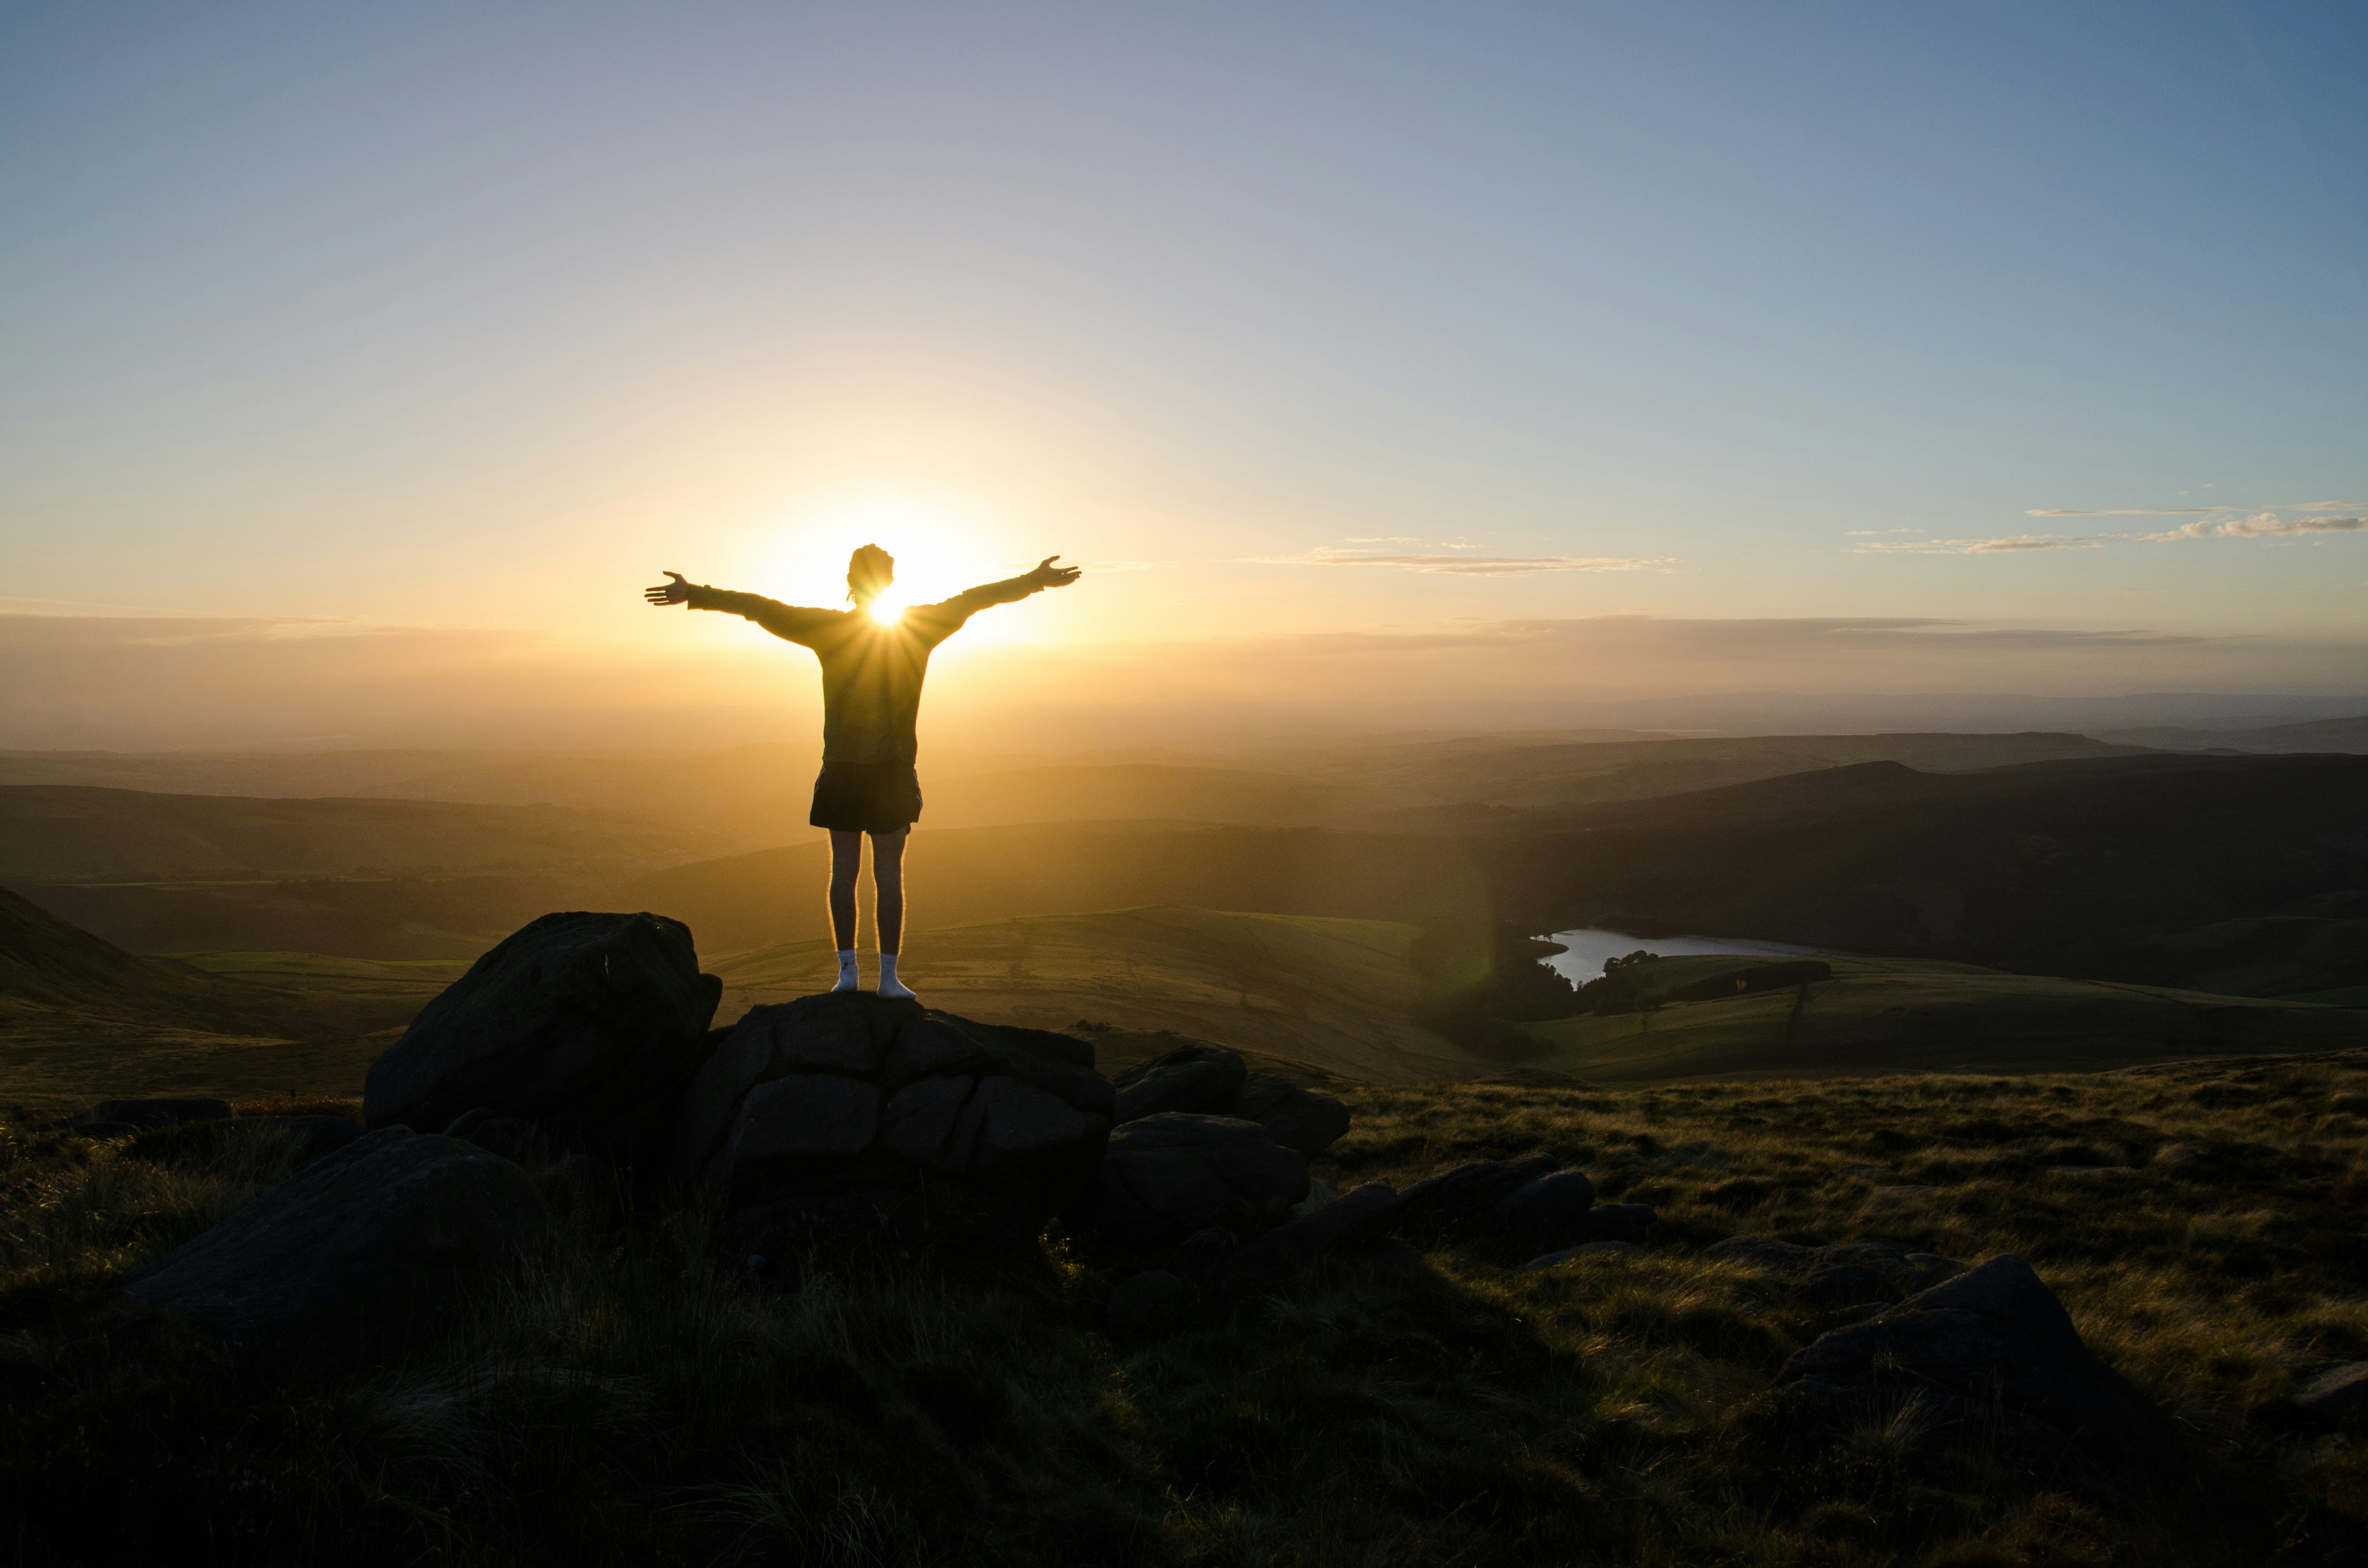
[873,662]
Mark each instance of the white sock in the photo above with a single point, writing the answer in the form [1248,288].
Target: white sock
[846,969]
[889,985]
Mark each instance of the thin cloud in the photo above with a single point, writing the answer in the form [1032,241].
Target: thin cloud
[2191,511]
[2259,525]
[2015,544]
[1469,565]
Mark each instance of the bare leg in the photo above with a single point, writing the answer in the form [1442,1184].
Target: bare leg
[845,865]
[888,906]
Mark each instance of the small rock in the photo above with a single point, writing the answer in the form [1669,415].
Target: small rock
[139,1114]
[1588,1249]
[1463,1199]
[1360,1213]
[1146,1303]
[1190,1078]
[1540,1211]
[2351,1101]
[1171,1174]
[2336,1391]
[1306,1121]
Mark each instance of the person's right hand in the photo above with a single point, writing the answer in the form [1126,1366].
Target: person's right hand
[672,593]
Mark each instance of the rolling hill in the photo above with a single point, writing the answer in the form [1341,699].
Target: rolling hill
[2313,735]
[1916,1016]
[1332,993]
[80,1018]
[962,876]
[400,917]
[2059,868]
[64,833]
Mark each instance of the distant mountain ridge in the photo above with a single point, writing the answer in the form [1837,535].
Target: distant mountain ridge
[2316,735]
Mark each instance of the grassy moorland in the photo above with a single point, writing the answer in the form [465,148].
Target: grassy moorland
[1919,1014]
[629,1402]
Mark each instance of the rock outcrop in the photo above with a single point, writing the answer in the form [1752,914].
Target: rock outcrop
[359,1255]
[1993,1346]
[587,1025]
[1211,1080]
[849,1091]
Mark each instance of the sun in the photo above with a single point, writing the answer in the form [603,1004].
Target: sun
[888,608]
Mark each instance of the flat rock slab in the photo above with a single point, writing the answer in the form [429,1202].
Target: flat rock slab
[587,1025]
[1993,1346]
[850,1090]
[358,1258]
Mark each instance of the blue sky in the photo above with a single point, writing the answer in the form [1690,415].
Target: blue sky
[471,318]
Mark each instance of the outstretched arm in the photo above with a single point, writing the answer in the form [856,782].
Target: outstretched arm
[951,613]
[789,622]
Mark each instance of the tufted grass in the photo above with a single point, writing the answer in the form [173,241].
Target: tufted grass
[627,1402]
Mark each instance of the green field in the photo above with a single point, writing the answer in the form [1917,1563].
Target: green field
[1922,1015]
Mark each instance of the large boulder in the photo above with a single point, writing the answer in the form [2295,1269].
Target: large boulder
[359,1255]
[1170,1174]
[849,1091]
[1993,1346]
[587,1025]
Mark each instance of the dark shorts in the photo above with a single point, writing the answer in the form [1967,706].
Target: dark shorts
[867,797]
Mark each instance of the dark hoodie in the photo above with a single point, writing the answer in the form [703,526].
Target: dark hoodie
[871,674]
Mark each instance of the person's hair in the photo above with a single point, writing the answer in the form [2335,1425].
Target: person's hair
[869,570]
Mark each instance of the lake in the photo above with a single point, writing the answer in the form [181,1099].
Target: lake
[1589,948]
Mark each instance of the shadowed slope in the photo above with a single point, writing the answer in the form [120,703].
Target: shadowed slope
[2056,868]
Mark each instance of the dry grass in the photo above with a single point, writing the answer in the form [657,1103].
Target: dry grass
[629,1402]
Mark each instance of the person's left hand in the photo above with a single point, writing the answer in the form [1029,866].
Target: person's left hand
[1048,576]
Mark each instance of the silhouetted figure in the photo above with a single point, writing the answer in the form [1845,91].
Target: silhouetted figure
[872,673]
